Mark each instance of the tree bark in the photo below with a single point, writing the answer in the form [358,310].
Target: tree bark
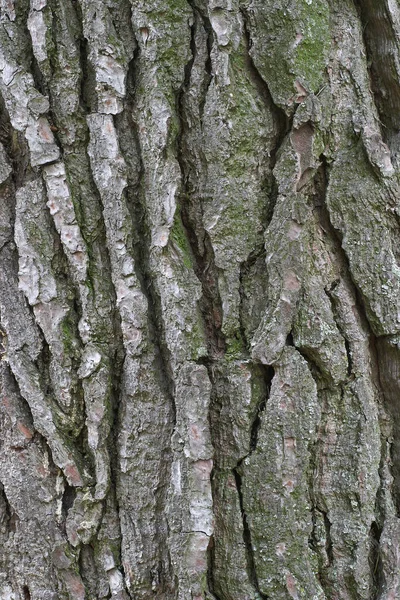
[199,299]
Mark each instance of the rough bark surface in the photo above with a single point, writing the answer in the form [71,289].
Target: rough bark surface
[199,299]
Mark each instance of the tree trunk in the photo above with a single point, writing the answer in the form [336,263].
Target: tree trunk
[199,295]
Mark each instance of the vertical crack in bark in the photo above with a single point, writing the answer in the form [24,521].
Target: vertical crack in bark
[251,567]
[16,149]
[5,513]
[26,592]
[210,568]
[381,41]
[87,96]
[375,560]
[344,266]
[328,539]
[267,375]
[190,211]
[283,125]
[129,143]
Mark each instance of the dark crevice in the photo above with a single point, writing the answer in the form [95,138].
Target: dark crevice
[206,23]
[328,539]
[129,143]
[190,213]
[251,567]
[251,307]
[266,375]
[386,362]
[349,358]
[386,386]
[17,151]
[381,42]
[375,561]
[68,500]
[87,96]
[26,593]
[210,568]
[5,513]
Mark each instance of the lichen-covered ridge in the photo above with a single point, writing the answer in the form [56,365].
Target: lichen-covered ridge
[199,283]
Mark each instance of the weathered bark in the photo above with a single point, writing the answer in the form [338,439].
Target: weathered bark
[199,299]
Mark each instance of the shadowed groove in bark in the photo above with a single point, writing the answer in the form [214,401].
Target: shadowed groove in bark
[322,184]
[382,47]
[5,512]
[251,567]
[208,64]
[26,592]
[387,361]
[375,560]
[88,77]
[16,149]
[210,568]
[283,124]
[267,374]
[328,543]
[191,214]
[129,144]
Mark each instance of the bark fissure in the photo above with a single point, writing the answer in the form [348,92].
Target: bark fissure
[130,146]
[251,566]
[5,513]
[190,211]
[267,375]
[208,64]
[129,141]
[380,34]
[377,576]
[376,561]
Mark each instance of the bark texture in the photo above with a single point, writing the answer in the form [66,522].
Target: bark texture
[199,299]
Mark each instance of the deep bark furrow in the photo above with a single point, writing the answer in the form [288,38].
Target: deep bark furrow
[283,124]
[129,142]
[190,211]
[247,536]
[381,35]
